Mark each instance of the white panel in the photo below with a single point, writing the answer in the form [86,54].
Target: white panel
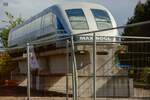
[57,64]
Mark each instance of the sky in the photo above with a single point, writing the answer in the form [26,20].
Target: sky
[120,9]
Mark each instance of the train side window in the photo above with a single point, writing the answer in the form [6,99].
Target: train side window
[28,28]
[77,19]
[34,26]
[47,20]
[15,33]
[21,30]
[37,24]
[102,19]
[31,26]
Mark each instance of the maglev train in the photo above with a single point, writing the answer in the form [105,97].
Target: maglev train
[62,19]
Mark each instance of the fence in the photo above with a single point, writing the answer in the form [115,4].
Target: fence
[113,73]
[92,67]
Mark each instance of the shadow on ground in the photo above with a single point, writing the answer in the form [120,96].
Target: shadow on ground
[22,91]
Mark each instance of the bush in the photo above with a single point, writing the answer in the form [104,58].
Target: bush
[5,66]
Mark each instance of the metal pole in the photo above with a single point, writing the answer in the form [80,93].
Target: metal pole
[28,71]
[94,66]
[67,70]
[75,76]
[73,81]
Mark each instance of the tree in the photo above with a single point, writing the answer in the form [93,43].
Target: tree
[6,65]
[141,13]
[12,22]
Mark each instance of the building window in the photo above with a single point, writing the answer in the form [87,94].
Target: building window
[77,19]
[102,19]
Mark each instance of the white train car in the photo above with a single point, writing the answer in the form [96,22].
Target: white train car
[63,19]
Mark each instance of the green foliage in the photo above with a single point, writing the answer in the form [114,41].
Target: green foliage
[146,75]
[4,36]
[142,13]
[12,22]
[5,62]
[6,66]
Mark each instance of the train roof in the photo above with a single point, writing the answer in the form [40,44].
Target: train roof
[77,4]
[65,5]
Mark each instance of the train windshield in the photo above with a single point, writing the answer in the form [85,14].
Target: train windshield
[77,19]
[102,19]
